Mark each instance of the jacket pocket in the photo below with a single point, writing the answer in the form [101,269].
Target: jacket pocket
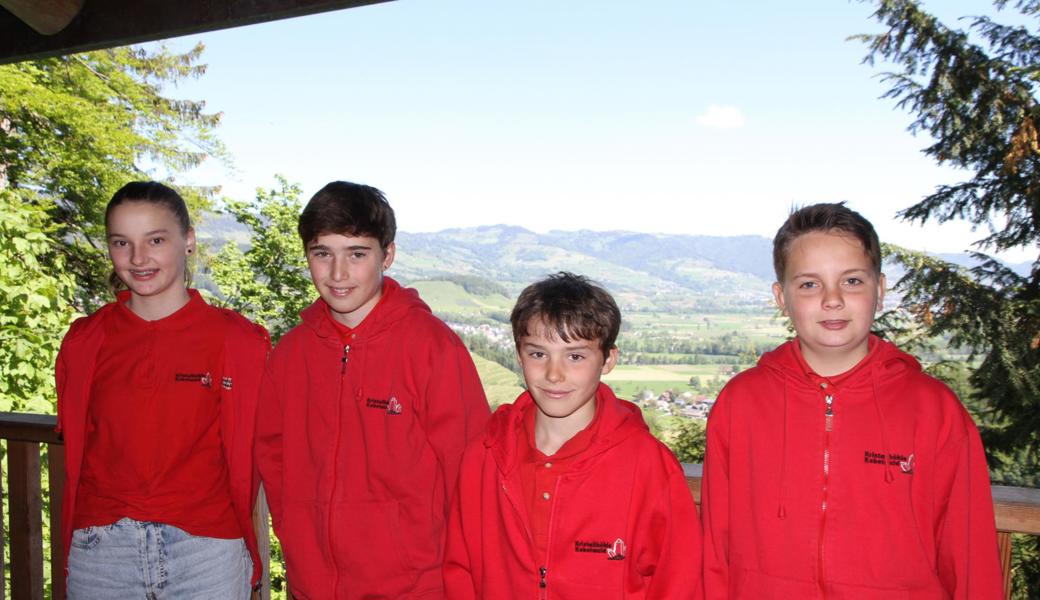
[844,591]
[565,589]
[369,546]
[754,585]
[759,586]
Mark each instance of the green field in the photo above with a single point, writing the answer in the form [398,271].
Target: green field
[500,384]
[761,327]
[445,297]
[628,380]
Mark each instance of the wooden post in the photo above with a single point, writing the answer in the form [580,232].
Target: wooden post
[56,473]
[263,544]
[26,521]
[1004,550]
[3,543]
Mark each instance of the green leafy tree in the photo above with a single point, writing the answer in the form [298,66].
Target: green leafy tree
[973,92]
[688,441]
[75,128]
[267,282]
[36,307]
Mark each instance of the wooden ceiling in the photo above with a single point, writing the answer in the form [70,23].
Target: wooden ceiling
[38,28]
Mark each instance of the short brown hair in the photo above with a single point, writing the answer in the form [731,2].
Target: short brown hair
[570,305]
[349,209]
[825,217]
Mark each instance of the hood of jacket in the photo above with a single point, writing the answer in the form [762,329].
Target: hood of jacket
[883,363]
[615,421]
[395,303]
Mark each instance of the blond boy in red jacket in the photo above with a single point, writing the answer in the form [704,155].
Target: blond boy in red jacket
[568,496]
[836,468]
[366,408]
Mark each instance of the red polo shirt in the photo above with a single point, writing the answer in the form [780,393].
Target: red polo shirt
[153,448]
[539,473]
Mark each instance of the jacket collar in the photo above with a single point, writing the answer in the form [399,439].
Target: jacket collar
[615,421]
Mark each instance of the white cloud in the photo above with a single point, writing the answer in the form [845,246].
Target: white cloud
[721,117]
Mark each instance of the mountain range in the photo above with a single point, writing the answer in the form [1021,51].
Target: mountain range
[646,271]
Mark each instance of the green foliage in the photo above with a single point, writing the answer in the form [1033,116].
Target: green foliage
[974,93]
[688,441]
[76,128]
[977,102]
[267,283]
[654,422]
[35,303]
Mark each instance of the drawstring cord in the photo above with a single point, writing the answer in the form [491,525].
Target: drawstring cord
[781,508]
[881,424]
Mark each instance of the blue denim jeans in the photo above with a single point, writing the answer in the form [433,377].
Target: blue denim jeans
[154,561]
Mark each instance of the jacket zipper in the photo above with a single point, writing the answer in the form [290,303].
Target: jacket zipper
[335,456]
[543,571]
[828,416]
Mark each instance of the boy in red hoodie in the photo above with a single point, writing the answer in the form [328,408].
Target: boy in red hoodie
[366,408]
[568,496]
[836,468]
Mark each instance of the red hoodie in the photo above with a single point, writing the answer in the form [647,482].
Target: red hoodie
[870,486]
[245,347]
[624,524]
[359,445]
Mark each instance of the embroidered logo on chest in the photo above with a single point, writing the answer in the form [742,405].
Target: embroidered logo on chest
[615,551]
[390,406]
[203,378]
[905,462]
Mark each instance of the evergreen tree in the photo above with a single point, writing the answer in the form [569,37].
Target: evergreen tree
[974,93]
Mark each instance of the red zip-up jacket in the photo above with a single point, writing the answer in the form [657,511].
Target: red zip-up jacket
[245,352]
[624,525]
[872,486]
[359,446]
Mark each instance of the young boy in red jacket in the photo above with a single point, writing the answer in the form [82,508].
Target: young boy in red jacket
[836,468]
[568,496]
[366,408]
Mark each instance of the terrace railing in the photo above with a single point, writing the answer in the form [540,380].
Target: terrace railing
[32,443]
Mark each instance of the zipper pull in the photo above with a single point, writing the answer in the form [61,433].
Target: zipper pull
[542,571]
[829,413]
[343,361]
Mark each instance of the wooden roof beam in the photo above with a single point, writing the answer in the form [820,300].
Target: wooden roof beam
[107,23]
[47,17]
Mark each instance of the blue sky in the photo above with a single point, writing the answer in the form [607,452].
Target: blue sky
[672,116]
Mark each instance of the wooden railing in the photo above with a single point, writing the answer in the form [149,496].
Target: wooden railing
[1017,509]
